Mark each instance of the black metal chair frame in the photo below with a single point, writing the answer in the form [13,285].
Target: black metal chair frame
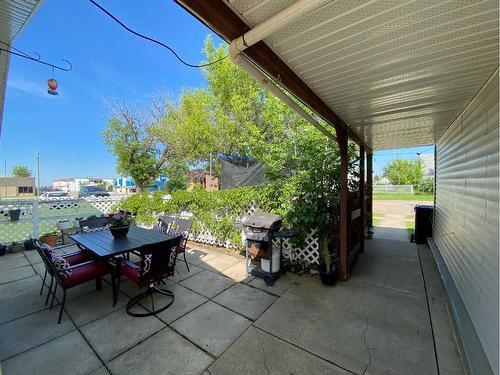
[95,222]
[166,222]
[181,226]
[47,267]
[160,269]
[55,275]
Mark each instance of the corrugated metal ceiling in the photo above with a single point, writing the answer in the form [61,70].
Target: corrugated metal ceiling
[397,71]
[13,16]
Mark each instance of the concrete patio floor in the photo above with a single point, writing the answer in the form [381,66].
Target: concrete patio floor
[391,317]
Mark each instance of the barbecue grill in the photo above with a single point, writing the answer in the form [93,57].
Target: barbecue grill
[260,229]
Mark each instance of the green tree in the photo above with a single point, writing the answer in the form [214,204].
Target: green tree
[404,172]
[21,171]
[131,137]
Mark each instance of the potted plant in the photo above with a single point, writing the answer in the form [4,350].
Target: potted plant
[119,224]
[28,245]
[64,224]
[50,238]
[15,247]
[14,214]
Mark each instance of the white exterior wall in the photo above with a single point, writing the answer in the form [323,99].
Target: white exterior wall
[467,210]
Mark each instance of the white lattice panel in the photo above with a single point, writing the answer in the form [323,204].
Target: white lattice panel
[38,217]
[105,205]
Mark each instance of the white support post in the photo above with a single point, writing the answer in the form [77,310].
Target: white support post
[36,219]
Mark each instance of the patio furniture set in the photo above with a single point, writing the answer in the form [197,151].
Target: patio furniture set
[100,254]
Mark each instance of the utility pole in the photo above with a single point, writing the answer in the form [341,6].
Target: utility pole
[37,158]
[5,178]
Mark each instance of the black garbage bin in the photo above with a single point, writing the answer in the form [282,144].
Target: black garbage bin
[423,223]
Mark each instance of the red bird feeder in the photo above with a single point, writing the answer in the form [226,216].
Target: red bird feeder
[52,86]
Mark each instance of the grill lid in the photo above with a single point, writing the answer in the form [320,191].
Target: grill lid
[263,220]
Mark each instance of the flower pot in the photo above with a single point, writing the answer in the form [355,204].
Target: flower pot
[14,214]
[50,240]
[28,245]
[16,248]
[118,232]
[328,271]
[64,224]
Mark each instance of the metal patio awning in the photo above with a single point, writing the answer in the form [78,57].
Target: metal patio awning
[394,73]
[14,14]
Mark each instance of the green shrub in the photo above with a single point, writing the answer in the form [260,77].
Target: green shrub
[425,186]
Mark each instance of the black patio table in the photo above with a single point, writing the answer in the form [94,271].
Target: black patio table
[104,245]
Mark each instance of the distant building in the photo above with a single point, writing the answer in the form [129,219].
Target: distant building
[124,185]
[428,164]
[15,187]
[200,177]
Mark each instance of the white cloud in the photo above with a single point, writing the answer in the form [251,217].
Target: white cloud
[30,87]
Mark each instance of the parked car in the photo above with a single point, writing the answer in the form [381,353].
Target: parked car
[54,195]
[92,191]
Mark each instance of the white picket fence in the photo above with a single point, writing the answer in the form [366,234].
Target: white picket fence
[38,217]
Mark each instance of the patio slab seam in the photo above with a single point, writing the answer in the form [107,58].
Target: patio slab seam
[393,289]
[87,342]
[38,345]
[305,350]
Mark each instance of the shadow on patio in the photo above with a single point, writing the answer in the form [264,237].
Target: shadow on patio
[390,317]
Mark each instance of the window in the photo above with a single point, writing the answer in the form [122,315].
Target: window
[25,189]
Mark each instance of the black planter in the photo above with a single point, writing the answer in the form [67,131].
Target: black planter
[329,278]
[3,250]
[119,231]
[28,245]
[328,275]
[14,214]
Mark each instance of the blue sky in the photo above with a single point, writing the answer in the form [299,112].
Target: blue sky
[108,63]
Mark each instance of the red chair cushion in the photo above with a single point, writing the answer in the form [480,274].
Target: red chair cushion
[131,272]
[78,257]
[87,272]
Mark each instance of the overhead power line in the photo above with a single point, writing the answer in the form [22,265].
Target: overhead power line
[154,40]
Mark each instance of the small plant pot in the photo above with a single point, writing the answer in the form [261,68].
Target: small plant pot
[16,248]
[328,270]
[119,232]
[14,214]
[49,240]
[3,250]
[28,245]
[64,224]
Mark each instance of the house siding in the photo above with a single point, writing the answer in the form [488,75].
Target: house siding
[466,229]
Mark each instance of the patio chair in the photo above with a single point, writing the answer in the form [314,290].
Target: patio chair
[93,224]
[182,227]
[68,276]
[164,224]
[156,264]
[72,258]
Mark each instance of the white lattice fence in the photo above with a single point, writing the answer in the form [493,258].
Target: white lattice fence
[38,217]
[105,205]
[309,252]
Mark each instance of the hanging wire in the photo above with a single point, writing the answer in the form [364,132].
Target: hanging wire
[154,40]
[16,52]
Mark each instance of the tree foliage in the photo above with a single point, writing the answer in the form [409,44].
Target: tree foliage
[131,137]
[21,171]
[235,115]
[404,172]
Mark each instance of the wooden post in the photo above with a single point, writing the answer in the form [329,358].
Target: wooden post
[362,194]
[369,187]
[344,198]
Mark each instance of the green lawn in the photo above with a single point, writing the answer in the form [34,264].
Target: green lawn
[402,197]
